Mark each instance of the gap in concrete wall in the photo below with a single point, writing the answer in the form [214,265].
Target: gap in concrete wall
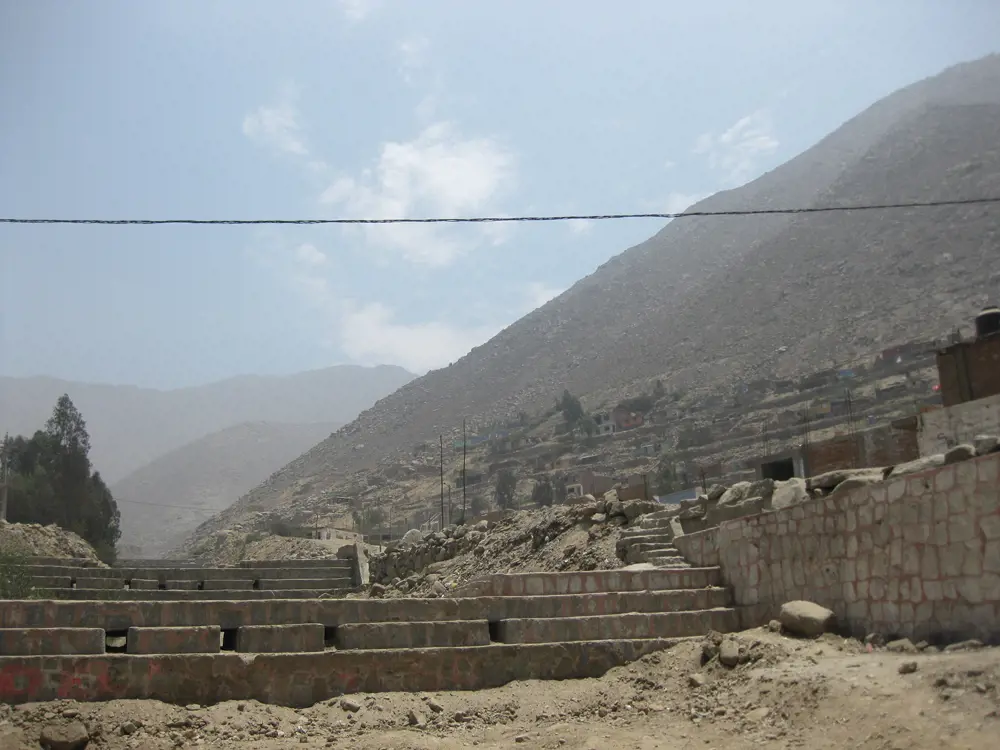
[115,641]
[330,636]
[256,584]
[227,639]
[494,627]
[201,585]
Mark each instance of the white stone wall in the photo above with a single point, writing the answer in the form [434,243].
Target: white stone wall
[917,556]
[942,429]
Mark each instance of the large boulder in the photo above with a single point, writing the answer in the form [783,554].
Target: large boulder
[921,464]
[852,483]
[71,736]
[959,453]
[412,537]
[635,508]
[986,444]
[789,492]
[806,619]
[830,479]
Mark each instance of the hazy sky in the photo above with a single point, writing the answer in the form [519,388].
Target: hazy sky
[380,108]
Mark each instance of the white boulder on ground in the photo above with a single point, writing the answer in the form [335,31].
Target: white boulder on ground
[806,619]
[413,536]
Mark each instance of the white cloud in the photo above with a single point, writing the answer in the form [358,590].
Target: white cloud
[580,226]
[738,150]
[357,10]
[276,127]
[678,202]
[669,164]
[413,56]
[370,334]
[308,255]
[438,173]
[538,293]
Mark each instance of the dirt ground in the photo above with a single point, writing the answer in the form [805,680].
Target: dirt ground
[829,693]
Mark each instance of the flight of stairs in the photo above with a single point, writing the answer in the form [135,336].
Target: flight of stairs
[651,541]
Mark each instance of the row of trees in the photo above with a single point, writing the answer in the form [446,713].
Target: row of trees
[51,480]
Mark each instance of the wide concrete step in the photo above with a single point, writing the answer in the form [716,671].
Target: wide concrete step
[333,612]
[624,626]
[301,680]
[297,564]
[336,570]
[664,547]
[51,641]
[591,582]
[660,515]
[640,535]
[140,595]
[304,583]
[668,562]
[451,633]
[655,523]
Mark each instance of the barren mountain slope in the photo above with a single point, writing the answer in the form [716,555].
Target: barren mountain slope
[711,300]
[209,473]
[130,426]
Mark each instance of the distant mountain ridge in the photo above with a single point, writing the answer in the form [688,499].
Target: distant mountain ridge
[716,301]
[131,426]
[209,474]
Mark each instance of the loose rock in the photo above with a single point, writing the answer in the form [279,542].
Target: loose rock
[806,619]
[72,736]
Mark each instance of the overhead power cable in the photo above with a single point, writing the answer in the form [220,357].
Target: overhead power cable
[502,219]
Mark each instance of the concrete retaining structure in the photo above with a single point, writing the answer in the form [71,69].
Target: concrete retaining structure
[614,627]
[279,639]
[915,556]
[51,641]
[540,584]
[413,634]
[303,679]
[230,615]
[193,639]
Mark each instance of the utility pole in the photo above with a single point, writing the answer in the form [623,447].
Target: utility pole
[851,431]
[441,519]
[464,452]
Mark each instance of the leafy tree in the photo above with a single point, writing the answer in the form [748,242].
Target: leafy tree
[477,505]
[666,479]
[571,408]
[659,390]
[588,426]
[543,494]
[52,482]
[505,489]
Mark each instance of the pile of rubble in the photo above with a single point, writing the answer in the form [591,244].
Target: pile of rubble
[35,540]
[580,536]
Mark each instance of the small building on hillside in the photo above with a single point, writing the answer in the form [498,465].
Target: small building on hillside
[585,482]
[605,424]
[969,378]
[625,419]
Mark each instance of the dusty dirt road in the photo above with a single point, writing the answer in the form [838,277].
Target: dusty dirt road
[829,693]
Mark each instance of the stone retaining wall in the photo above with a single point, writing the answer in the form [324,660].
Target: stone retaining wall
[120,616]
[304,679]
[917,556]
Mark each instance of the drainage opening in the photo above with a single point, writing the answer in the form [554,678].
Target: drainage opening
[201,585]
[115,641]
[227,640]
[256,584]
[161,586]
[494,626]
[330,636]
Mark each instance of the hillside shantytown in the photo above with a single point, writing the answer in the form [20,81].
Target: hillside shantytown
[739,486]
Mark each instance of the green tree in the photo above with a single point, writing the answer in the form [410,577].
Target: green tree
[666,479]
[543,494]
[659,390]
[571,408]
[52,481]
[503,495]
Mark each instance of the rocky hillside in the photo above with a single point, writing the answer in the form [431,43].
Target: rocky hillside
[130,426]
[718,301]
[166,499]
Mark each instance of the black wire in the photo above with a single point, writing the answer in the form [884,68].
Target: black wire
[499,219]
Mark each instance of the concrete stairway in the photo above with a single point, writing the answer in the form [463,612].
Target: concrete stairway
[651,542]
[291,579]
[502,628]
